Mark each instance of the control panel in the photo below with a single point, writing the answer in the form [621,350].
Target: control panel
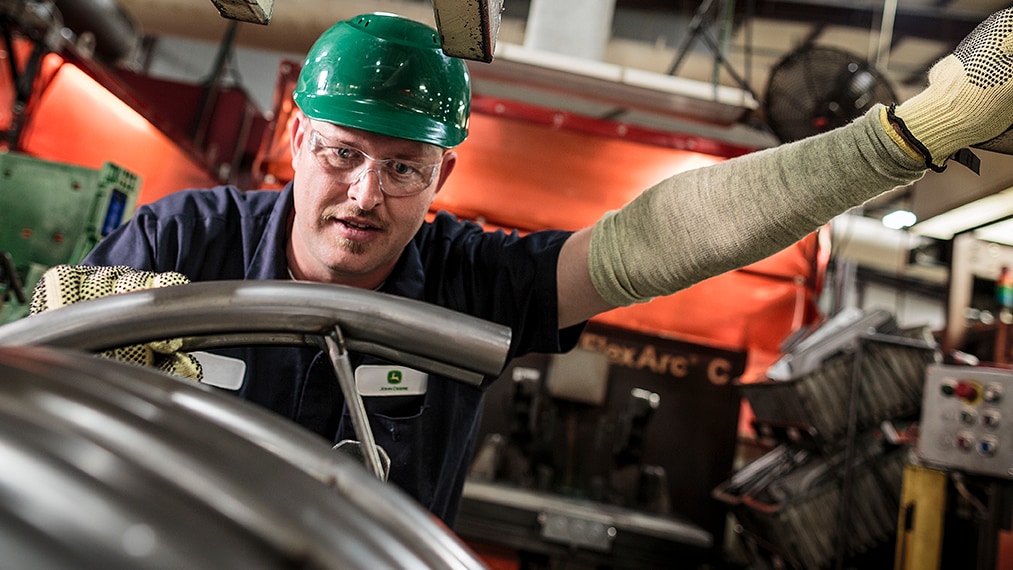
[967,420]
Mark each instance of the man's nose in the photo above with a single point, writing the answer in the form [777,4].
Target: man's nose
[365,189]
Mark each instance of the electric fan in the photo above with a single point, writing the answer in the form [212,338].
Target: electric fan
[816,89]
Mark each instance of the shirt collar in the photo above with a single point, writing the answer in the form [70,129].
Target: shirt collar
[269,261]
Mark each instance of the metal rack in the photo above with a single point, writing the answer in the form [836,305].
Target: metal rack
[830,488]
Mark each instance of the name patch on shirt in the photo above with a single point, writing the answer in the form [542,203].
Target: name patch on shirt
[383,380]
[221,371]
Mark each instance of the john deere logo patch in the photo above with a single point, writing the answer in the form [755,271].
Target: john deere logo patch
[383,380]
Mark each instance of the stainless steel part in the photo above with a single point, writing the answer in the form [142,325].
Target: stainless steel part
[353,449]
[589,522]
[353,401]
[790,501]
[468,28]
[839,334]
[108,464]
[411,332]
[889,370]
[241,465]
[252,11]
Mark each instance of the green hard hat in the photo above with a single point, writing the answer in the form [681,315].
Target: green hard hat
[386,74]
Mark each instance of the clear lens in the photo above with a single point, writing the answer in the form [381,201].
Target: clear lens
[348,164]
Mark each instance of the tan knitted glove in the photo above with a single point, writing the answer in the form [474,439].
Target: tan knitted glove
[65,284]
[969,100]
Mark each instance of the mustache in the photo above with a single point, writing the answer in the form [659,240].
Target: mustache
[351,211]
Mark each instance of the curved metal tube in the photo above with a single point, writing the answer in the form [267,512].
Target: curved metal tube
[412,332]
[97,449]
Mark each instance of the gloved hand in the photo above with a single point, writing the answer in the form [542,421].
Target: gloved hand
[62,285]
[969,100]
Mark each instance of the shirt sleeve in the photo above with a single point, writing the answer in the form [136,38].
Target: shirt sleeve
[504,277]
[203,234]
[127,245]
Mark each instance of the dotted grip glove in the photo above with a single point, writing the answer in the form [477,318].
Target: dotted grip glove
[62,285]
[969,99]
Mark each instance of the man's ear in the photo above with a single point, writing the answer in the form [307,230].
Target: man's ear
[298,127]
[449,161]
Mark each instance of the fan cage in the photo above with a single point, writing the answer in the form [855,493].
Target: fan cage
[816,88]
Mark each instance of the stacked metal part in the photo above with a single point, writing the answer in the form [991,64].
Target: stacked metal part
[860,353]
[790,500]
[830,487]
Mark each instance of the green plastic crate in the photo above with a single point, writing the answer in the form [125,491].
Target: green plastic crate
[53,213]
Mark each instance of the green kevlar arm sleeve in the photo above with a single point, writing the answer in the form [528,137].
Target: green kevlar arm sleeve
[704,222]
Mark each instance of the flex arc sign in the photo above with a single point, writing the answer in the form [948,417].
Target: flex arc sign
[665,357]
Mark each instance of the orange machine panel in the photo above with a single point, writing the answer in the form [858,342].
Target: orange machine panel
[528,176]
[76,120]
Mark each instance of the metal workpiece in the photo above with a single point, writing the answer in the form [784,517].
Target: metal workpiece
[108,464]
[791,500]
[252,11]
[468,29]
[410,332]
[181,475]
[850,378]
[341,362]
[584,523]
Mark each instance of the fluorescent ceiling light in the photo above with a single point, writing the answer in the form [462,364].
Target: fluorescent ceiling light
[967,217]
[659,83]
[1001,232]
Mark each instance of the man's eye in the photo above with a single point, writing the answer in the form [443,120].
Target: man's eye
[402,169]
[345,153]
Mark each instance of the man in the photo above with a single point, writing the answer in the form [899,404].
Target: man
[380,111]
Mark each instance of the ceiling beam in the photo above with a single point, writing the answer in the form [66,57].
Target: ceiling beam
[911,21]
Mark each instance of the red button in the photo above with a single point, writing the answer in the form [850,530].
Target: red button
[966,391]
[964,442]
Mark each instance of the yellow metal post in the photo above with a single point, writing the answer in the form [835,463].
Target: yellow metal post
[921,517]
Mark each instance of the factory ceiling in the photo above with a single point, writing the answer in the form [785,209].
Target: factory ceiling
[901,40]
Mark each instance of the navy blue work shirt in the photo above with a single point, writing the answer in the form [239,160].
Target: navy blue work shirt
[224,233]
